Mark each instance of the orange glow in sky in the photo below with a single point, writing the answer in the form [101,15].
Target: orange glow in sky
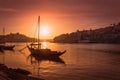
[57,16]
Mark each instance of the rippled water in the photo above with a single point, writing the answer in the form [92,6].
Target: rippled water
[80,62]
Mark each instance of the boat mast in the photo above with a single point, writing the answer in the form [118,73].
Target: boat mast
[38,32]
[4,35]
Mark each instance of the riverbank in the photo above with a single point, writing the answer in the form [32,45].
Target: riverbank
[15,74]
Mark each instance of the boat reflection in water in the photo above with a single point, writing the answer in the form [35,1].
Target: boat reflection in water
[38,63]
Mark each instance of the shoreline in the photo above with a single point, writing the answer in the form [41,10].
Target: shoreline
[15,74]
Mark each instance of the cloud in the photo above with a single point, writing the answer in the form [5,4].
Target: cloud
[7,10]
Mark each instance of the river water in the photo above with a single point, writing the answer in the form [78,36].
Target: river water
[80,62]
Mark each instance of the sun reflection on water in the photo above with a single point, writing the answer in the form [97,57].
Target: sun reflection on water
[44,45]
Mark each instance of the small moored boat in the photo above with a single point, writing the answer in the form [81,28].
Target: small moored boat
[3,45]
[45,52]
[7,47]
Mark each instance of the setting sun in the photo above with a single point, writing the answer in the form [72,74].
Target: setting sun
[44,31]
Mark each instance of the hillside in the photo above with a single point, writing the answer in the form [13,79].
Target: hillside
[110,34]
[15,37]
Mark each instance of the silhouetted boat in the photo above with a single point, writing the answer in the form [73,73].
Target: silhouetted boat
[40,59]
[7,47]
[3,45]
[1,50]
[36,48]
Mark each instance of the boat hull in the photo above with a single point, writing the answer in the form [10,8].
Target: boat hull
[45,52]
[39,59]
[5,47]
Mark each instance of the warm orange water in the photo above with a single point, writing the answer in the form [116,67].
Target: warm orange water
[81,62]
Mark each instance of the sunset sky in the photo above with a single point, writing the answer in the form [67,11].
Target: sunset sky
[57,16]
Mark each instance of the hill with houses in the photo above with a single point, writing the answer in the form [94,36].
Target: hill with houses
[109,34]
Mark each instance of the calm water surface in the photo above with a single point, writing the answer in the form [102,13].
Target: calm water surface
[80,62]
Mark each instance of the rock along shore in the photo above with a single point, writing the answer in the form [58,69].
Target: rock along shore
[15,74]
